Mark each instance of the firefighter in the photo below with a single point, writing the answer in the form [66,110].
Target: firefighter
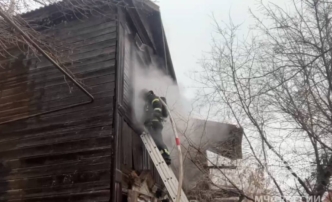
[154,114]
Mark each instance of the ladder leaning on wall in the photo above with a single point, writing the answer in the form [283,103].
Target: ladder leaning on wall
[165,172]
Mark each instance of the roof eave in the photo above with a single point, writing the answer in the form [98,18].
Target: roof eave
[152,5]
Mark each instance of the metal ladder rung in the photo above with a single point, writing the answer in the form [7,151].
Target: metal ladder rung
[166,174]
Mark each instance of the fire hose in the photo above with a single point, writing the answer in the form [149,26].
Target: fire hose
[178,144]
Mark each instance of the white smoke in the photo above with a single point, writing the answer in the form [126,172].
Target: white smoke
[152,78]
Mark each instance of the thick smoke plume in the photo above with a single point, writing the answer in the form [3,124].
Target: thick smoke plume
[161,84]
[192,132]
[154,79]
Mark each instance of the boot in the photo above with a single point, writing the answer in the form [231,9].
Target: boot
[166,156]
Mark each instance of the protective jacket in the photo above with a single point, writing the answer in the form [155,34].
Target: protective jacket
[154,114]
[153,108]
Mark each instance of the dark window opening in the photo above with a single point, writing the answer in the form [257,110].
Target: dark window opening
[124,197]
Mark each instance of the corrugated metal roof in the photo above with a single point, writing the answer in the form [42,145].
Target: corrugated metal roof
[37,9]
[64,6]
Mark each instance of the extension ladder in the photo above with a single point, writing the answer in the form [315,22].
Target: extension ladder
[166,174]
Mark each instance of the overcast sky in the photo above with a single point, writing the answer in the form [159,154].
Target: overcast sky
[189,27]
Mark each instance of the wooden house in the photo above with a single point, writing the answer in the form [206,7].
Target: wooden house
[62,142]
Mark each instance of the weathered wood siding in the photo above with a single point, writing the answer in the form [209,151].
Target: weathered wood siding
[132,152]
[66,155]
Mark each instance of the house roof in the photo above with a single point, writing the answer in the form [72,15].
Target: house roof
[149,17]
[146,16]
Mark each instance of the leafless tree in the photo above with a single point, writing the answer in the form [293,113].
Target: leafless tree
[209,178]
[276,82]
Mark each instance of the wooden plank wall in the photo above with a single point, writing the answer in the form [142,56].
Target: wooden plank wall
[133,153]
[62,156]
